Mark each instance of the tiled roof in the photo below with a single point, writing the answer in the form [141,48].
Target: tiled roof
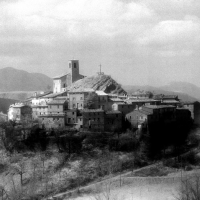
[92,110]
[142,100]
[159,106]
[40,95]
[56,102]
[60,76]
[169,101]
[140,112]
[116,99]
[54,95]
[113,112]
[101,93]
[79,90]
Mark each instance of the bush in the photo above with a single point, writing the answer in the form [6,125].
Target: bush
[190,158]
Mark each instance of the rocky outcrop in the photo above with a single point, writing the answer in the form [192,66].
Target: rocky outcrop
[97,82]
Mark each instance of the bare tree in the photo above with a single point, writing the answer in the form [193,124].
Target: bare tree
[189,189]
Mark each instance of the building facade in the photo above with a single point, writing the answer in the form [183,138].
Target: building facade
[61,82]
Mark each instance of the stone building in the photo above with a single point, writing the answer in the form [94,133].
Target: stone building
[152,114]
[93,120]
[19,112]
[124,108]
[55,117]
[99,120]
[61,82]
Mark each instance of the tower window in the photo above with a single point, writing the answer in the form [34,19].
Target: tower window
[74,65]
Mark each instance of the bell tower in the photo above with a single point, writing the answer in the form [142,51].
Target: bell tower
[73,72]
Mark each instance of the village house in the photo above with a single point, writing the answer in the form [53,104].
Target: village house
[151,114]
[124,108]
[168,99]
[55,117]
[93,120]
[19,112]
[77,98]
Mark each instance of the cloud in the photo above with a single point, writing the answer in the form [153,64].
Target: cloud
[41,35]
[173,37]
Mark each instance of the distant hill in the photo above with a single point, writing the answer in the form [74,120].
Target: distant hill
[5,103]
[183,87]
[18,80]
[97,82]
[184,96]
[17,95]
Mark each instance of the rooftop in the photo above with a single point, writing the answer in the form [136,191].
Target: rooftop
[101,93]
[142,100]
[92,110]
[159,106]
[81,90]
[141,112]
[60,76]
[56,102]
[116,99]
[113,112]
[54,95]
[170,101]
[18,105]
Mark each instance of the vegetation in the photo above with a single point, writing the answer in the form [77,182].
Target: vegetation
[58,160]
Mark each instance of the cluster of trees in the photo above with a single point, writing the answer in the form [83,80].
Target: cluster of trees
[153,144]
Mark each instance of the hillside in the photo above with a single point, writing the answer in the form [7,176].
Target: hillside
[183,87]
[18,80]
[98,82]
[16,95]
[5,103]
[184,96]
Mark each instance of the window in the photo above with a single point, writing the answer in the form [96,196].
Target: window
[116,115]
[72,113]
[74,65]
[74,98]
[58,106]
[81,98]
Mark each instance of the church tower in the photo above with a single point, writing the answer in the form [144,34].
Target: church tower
[73,74]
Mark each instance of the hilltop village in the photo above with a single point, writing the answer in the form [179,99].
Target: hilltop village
[89,129]
[98,103]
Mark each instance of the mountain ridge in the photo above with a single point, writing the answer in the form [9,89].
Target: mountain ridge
[12,79]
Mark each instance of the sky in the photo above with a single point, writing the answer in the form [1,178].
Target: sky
[137,42]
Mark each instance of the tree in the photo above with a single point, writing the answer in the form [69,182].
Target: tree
[189,189]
